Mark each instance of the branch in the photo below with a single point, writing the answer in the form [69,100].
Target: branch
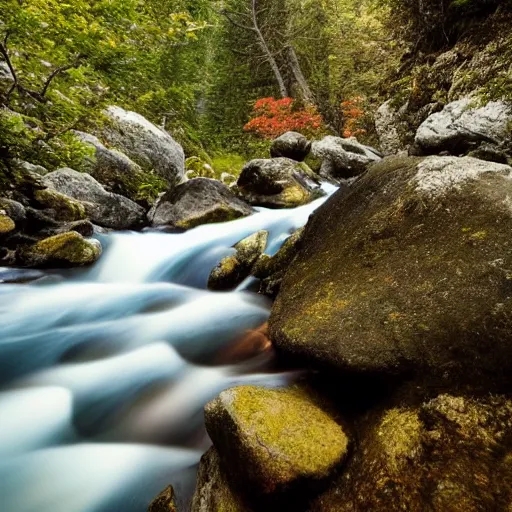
[5,55]
[227,15]
[57,72]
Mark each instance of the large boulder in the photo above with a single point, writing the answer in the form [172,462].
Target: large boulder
[407,272]
[115,171]
[270,439]
[152,148]
[448,454]
[62,207]
[463,125]
[278,183]
[67,249]
[342,158]
[291,145]
[195,202]
[102,207]
[232,270]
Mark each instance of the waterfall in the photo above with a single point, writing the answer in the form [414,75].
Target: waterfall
[104,373]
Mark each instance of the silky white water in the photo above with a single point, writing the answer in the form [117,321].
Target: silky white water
[104,375]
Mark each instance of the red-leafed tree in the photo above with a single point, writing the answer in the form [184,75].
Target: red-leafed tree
[271,118]
[353,114]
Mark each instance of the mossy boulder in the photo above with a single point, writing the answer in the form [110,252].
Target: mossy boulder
[214,492]
[64,208]
[271,439]
[6,223]
[232,270]
[196,202]
[67,249]
[102,207]
[278,183]
[164,502]
[406,273]
[451,453]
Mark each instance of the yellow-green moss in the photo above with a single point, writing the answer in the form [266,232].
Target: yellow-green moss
[69,248]
[66,208]
[280,435]
[6,224]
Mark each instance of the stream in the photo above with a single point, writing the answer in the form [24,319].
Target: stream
[104,373]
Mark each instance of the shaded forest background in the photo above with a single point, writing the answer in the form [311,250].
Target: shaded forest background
[198,67]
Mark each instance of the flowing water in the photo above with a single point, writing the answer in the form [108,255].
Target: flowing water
[104,374]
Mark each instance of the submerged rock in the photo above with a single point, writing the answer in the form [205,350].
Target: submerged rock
[164,502]
[406,272]
[342,158]
[291,145]
[272,438]
[278,183]
[102,207]
[450,453]
[214,493]
[463,125]
[152,148]
[195,202]
[67,249]
[232,270]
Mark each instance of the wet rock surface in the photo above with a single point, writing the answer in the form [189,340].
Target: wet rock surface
[195,202]
[291,145]
[278,183]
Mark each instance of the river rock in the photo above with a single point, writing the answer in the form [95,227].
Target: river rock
[343,158]
[291,145]
[6,223]
[67,249]
[232,270]
[114,170]
[407,271]
[152,148]
[63,208]
[14,209]
[195,202]
[271,269]
[278,183]
[448,454]
[463,125]
[102,207]
[214,492]
[164,502]
[269,439]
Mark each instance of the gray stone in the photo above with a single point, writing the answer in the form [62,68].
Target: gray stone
[291,145]
[195,202]
[343,158]
[102,207]
[278,183]
[463,125]
[152,148]
[387,123]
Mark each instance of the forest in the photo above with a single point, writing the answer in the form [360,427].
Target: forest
[198,68]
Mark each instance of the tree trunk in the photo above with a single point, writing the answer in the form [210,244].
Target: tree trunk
[268,54]
[293,62]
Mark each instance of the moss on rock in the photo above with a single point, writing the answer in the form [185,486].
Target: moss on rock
[451,453]
[395,275]
[66,249]
[65,208]
[6,223]
[273,438]
[164,502]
